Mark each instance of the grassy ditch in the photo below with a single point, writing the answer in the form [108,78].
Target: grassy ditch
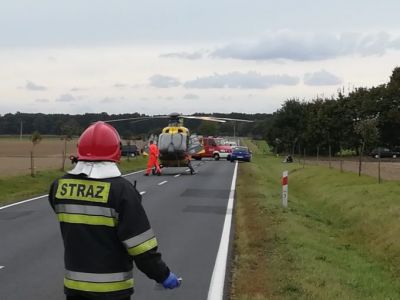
[338,239]
[13,189]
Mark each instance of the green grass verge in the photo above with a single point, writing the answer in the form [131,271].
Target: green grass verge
[13,189]
[338,239]
[257,146]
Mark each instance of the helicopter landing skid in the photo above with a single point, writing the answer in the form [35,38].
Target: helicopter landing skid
[189,166]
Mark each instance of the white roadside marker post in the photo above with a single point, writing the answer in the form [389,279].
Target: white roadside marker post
[285,189]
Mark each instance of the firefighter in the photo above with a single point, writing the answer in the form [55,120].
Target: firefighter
[153,159]
[103,224]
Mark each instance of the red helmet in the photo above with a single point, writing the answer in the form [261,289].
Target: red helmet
[99,142]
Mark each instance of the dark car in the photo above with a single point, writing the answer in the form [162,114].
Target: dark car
[129,150]
[240,153]
[384,152]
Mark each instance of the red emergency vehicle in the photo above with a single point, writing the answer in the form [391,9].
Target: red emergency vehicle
[213,147]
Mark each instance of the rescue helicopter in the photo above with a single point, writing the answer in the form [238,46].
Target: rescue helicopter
[175,143]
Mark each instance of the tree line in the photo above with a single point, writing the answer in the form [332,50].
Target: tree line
[73,125]
[359,121]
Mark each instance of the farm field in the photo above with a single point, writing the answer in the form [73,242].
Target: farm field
[15,155]
[389,168]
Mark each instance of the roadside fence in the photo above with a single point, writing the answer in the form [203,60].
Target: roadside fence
[382,169]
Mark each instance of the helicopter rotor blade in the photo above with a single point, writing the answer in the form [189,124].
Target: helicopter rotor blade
[212,119]
[238,120]
[136,119]
[216,119]
[205,118]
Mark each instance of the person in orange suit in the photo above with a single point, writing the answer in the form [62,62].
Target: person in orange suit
[153,159]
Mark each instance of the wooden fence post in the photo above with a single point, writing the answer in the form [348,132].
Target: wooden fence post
[32,165]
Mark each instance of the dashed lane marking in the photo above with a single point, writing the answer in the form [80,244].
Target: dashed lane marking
[177,175]
[163,182]
[1,267]
[142,193]
[21,202]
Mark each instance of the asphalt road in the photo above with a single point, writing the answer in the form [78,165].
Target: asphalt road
[186,212]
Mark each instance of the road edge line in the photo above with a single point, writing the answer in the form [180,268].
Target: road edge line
[216,289]
[42,196]
[22,202]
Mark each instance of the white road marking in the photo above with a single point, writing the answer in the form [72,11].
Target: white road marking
[1,267]
[177,175]
[21,202]
[163,182]
[133,173]
[216,290]
[142,193]
[40,197]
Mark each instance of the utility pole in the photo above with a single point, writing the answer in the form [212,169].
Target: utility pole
[20,131]
[234,131]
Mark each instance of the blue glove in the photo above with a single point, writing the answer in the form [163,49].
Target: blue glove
[171,282]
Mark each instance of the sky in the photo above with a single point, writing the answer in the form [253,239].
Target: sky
[186,56]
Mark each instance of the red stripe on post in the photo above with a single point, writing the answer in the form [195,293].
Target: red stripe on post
[285,180]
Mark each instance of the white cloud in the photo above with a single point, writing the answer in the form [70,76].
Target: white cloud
[321,78]
[119,85]
[107,100]
[34,87]
[138,86]
[190,97]
[184,55]
[236,80]
[161,81]
[42,100]
[295,46]
[168,98]
[66,98]
[77,89]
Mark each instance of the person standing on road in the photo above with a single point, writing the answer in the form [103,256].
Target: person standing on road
[154,153]
[103,223]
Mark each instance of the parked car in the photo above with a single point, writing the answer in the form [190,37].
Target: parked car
[240,153]
[130,150]
[384,152]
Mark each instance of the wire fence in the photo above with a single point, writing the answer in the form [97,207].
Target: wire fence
[12,165]
[382,169]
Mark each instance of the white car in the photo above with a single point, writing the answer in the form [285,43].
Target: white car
[222,153]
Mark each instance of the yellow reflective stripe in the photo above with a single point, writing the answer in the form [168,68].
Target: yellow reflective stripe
[85,190]
[139,239]
[142,248]
[99,287]
[85,219]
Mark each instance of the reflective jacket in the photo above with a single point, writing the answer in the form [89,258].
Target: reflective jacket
[154,152]
[104,228]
